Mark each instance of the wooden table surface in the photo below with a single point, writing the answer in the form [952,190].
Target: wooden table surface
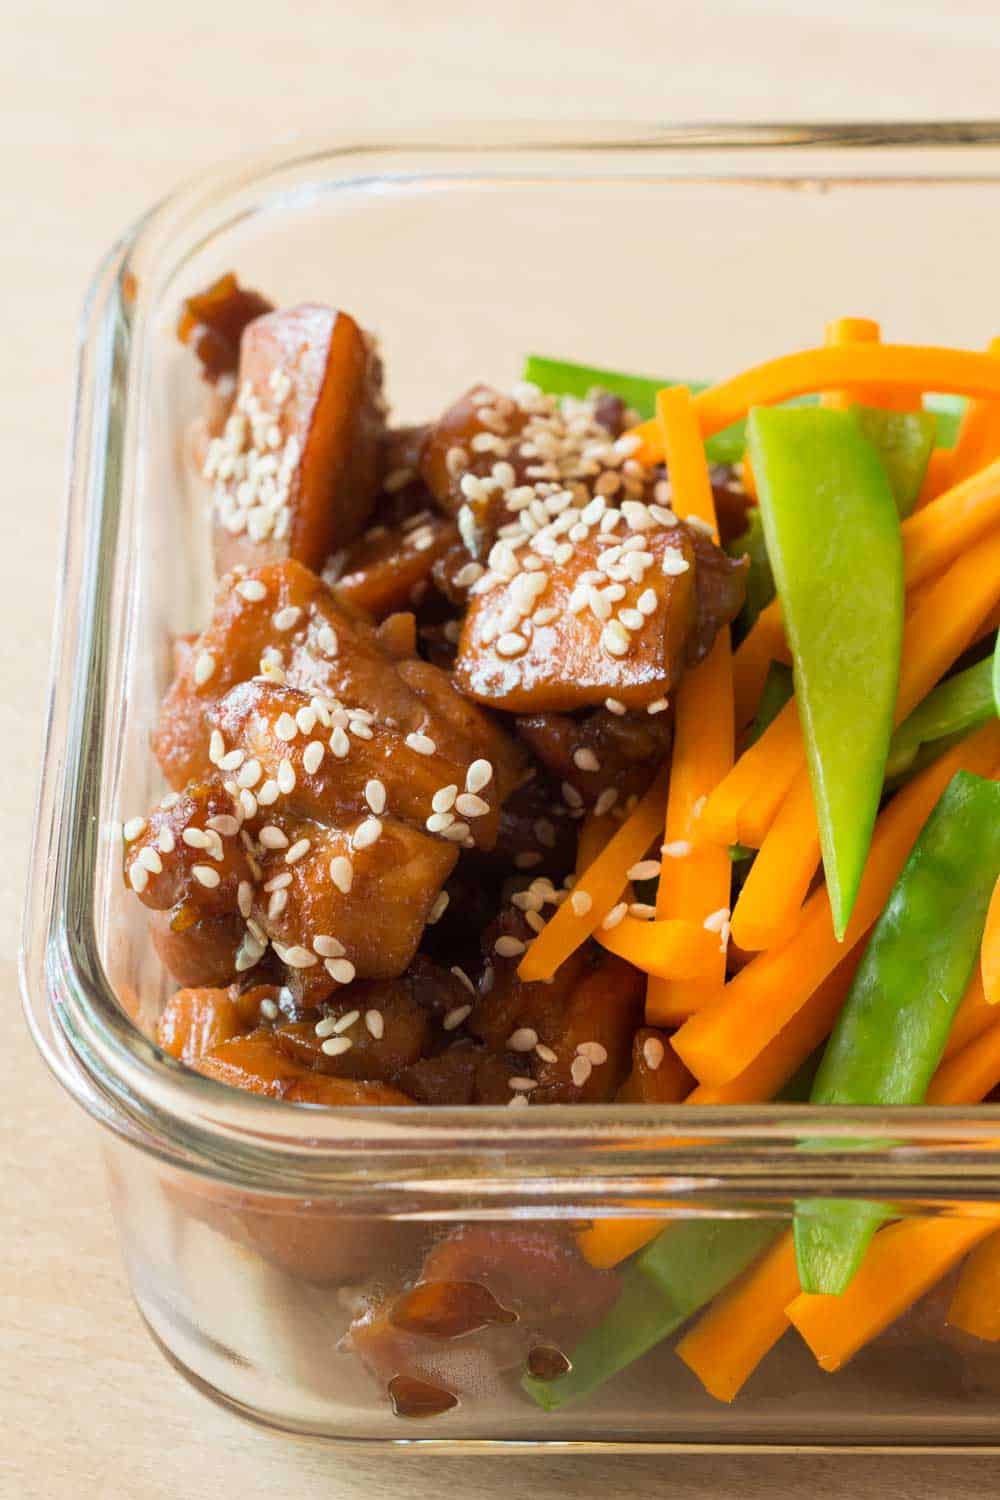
[105,104]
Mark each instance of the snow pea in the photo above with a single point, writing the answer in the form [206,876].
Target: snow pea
[955,707]
[892,1030]
[760,579]
[833,537]
[905,440]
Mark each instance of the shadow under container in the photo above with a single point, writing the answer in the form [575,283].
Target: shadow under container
[250,1228]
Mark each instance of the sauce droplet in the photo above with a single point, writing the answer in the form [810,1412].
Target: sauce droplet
[418,1398]
[447,1309]
[547,1363]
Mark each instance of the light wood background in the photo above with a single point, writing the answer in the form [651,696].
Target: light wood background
[104,105]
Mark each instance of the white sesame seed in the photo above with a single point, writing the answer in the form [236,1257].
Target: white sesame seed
[272,837]
[285,727]
[268,793]
[375,1022]
[585,760]
[134,829]
[511,643]
[642,911]
[652,1053]
[468,575]
[151,859]
[523,1039]
[457,1015]
[340,969]
[325,1027]
[286,777]
[456,833]
[443,799]
[244,898]
[581,902]
[276,905]
[249,774]
[278,882]
[305,718]
[298,851]
[479,775]
[615,639]
[674,562]
[375,796]
[570,795]
[616,915]
[658,706]
[594,1052]
[196,838]
[646,603]
[545,1053]
[204,668]
[284,619]
[328,947]
[508,946]
[606,801]
[336,1045]
[339,743]
[232,761]
[716,920]
[312,757]
[615,706]
[518,1101]
[367,833]
[166,841]
[138,877]
[646,869]
[439,907]
[439,821]
[522,1085]
[269,1010]
[631,619]
[252,590]
[346,1021]
[471,806]
[326,639]
[580,1070]
[342,873]
[248,803]
[205,876]
[421,743]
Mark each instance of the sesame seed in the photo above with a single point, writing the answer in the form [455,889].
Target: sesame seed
[312,757]
[248,803]
[674,562]
[298,851]
[269,1010]
[204,668]
[468,575]
[346,1021]
[244,898]
[581,902]
[606,801]
[439,907]
[286,777]
[456,833]
[367,833]
[272,837]
[337,1045]
[523,1039]
[646,603]
[205,876]
[659,706]
[286,727]
[508,946]
[284,619]
[652,1053]
[328,947]
[138,877]
[278,882]
[511,643]
[646,869]
[340,969]
[443,799]
[585,760]
[166,841]
[715,920]
[421,743]
[522,1085]
[456,1016]
[517,1101]
[615,639]
[277,904]
[342,873]
[268,793]
[616,915]
[232,761]
[570,795]
[305,718]
[593,1052]
[615,706]
[375,1022]
[580,1070]
[631,619]
[642,911]
[439,822]
[375,796]
[196,838]
[324,1027]
[252,590]
[326,639]
[545,1053]
[479,775]
[134,829]
[339,743]
[152,861]
[471,806]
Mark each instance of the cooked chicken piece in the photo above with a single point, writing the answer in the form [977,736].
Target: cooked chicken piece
[401,720]
[256,1063]
[212,323]
[658,1076]
[196,1020]
[601,754]
[390,567]
[295,471]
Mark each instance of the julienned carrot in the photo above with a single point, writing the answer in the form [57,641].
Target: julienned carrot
[744,1322]
[726,1035]
[598,889]
[903,1262]
[934,536]
[936,479]
[772,761]
[607,1242]
[847,331]
[596,831]
[989,958]
[668,949]
[969,1075]
[752,659]
[935,634]
[908,368]
[695,887]
[975,1307]
[978,441]
[975,1015]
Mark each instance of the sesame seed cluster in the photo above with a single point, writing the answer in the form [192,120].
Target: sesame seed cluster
[252,466]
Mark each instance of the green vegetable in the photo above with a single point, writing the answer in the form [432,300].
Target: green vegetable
[949,411]
[891,1033]
[760,579]
[559,377]
[674,1276]
[955,707]
[833,537]
[779,684]
[905,441]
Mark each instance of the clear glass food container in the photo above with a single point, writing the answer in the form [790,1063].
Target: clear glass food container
[250,1227]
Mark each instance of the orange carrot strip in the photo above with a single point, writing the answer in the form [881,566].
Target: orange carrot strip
[935,634]
[908,368]
[975,1307]
[771,762]
[989,957]
[695,887]
[596,831]
[845,331]
[748,477]
[974,1016]
[936,479]
[731,1030]
[762,645]
[606,1242]
[730,1339]
[978,441]
[603,882]
[969,1075]
[670,949]
[903,1262]
[935,536]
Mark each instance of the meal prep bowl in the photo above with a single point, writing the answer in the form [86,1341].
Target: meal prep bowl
[250,1227]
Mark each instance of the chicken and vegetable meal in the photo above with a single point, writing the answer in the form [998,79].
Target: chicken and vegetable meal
[599,741]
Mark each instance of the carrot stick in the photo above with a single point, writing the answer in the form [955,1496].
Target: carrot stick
[764,643]
[600,887]
[773,761]
[730,1339]
[935,536]
[937,632]
[989,958]
[903,1262]
[606,1242]
[908,368]
[852,331]
[695,887]
[937,478]
[969,1075]
[975,1307]
[731,1030]
[978,441]
[596,831]
[974,1016]
[668,949]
